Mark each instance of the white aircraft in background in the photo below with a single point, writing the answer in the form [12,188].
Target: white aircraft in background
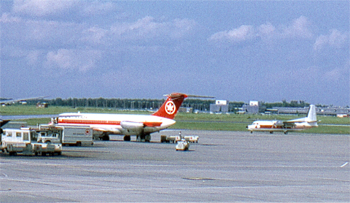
[298,124]
[127,124]
[21,100]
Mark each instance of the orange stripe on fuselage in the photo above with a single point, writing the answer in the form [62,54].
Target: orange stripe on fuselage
[101,122]
[269,126]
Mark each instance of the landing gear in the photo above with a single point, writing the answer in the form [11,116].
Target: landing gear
[143,138]
[104,136]
[127,138]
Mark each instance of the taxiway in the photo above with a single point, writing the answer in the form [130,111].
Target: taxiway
[223,166]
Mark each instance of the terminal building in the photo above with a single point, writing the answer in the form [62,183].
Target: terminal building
[255,107]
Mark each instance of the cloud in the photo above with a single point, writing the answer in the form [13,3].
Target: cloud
[300,28]
[266,30]
[243,33]
[42,8]
[334,39]
[148,27]
[94,35]
[97,7]
[8,18]
[72,59]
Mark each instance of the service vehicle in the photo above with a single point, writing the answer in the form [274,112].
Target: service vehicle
[170,139]
[67,135]
[24,141]
[177,138]
[182,145]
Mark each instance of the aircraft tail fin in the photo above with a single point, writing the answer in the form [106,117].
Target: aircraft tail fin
[171,105]
[311,115]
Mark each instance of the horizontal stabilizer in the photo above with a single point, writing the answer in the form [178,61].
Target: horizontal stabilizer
[174,95]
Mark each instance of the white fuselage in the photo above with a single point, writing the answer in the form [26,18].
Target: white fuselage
[279,126]
[126,124]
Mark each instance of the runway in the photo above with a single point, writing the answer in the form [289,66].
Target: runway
[222,167]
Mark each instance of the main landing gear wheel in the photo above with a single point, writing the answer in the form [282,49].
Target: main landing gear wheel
[127,138]
[104,137]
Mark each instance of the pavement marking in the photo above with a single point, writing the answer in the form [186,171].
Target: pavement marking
[346,163]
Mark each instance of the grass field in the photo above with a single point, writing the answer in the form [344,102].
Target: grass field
[224,122]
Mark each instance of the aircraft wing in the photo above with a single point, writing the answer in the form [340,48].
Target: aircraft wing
[110,130]
[9,101]
[125,128]
[288,124]
[3,122]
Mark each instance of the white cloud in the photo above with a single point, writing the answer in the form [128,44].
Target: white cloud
[94,35]
[266,30]
[8,18]
[97,7]
[148,27]
[300,28]
[41,7]
[334,39]
[243,33]
[72,59]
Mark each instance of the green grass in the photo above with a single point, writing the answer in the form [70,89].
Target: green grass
[224,122]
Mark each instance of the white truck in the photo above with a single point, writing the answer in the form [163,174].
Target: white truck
[24,141]
[66,135]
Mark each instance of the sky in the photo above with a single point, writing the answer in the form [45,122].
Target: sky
[233,50]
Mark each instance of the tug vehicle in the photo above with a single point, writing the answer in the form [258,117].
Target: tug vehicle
[182,145]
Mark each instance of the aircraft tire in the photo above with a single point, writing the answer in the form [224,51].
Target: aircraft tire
[127,138]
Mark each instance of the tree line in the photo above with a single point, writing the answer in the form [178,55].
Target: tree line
[143,104]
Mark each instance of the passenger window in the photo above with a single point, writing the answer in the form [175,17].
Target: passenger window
[18,134]
[9,134]
[25,136]
[42,134]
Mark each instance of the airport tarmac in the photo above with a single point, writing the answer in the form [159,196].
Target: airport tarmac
[223,166]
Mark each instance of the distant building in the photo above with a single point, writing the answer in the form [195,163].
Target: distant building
[326,111]
[254,107]
[220,106]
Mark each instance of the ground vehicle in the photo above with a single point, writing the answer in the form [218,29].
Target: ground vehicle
[24,141]
[182,145]
[67,135]
[177,138]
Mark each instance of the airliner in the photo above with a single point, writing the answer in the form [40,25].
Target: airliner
[127,124]
[298,124]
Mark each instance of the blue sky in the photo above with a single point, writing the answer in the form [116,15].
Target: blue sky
[236,50]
